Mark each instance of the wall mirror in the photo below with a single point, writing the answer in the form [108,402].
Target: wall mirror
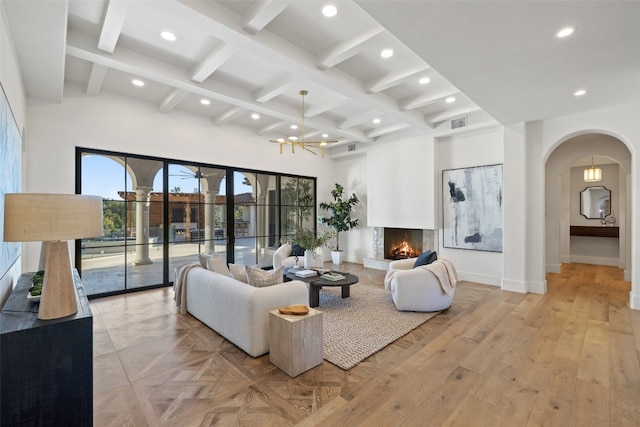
[595,202]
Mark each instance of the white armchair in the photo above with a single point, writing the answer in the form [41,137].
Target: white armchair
[282,256]
[420,289]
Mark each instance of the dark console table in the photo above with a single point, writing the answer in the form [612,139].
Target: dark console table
[46,366]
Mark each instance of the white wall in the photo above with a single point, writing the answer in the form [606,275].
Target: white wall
[13,86]
[112,122]
[484,147]
[400,180]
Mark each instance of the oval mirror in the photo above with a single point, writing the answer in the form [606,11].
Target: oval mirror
[595,202]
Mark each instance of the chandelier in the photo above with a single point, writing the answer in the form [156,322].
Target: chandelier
[294,141]
[592,174]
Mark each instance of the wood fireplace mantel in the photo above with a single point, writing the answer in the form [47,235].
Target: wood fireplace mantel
[583,230]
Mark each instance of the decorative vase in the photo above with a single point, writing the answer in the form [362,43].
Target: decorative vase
[336,257]
[312,258]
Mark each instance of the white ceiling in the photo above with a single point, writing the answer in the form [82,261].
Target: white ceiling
[255,56]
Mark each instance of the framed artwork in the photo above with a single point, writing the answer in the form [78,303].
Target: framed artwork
[472,208]
[10,175]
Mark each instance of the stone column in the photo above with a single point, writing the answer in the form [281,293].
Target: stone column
[142,226]
[209,220]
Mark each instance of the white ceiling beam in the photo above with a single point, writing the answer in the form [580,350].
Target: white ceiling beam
[320,108]
[358,119]
[261,13]
[112,26]
[96,79]
[272,127]
[344,50]
[171,101]
[210,63]
[218,21]
[229,115]
[451,113]
[387,129]
[392,79]
[422,100]
[273,89]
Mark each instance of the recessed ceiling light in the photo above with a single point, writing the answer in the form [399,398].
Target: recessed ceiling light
[167,35]
[376,121]
[565,32]
[137,82]
[325,135]
[255,116]
[293,138]
[294,126]
[329,11]
[579,92]
[205,101]
[450,99]
[424,80]
[386,53]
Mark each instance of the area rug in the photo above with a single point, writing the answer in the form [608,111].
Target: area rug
[366,322]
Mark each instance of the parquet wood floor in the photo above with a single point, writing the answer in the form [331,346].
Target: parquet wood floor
[567,358]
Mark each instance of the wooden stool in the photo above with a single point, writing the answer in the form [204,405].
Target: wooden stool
[295,342]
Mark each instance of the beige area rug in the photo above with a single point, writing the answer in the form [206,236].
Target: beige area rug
[366,322]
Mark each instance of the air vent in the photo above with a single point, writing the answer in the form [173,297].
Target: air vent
[351,147]
[459,123]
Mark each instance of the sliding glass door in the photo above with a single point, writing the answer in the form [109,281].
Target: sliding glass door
[160,214]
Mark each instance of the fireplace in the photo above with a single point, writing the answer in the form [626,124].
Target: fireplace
[401,243]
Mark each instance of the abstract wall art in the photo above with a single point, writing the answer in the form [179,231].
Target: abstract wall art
[472,208]
[10,176]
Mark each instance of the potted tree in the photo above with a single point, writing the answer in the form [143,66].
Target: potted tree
[340,218]
[311,241]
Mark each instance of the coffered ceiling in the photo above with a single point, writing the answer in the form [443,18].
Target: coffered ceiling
[248,57]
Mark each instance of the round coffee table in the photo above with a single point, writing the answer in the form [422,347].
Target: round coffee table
[317,282]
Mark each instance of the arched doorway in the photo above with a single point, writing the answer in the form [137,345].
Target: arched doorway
[564,182]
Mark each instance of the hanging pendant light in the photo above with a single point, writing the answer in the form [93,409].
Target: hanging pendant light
[301,142]
[592,174]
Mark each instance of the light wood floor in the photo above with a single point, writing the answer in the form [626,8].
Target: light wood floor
[567,358]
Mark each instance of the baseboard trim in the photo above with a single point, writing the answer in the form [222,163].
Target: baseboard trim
[514,286]
[537,287]
[553,268]
[634,301]
[484,279]
[582,259]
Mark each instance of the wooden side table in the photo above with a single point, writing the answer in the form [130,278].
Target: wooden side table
[295,342]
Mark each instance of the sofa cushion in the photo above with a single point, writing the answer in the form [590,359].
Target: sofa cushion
[426,258]
[218,264]
[261,278]
[239,272]
[297,250]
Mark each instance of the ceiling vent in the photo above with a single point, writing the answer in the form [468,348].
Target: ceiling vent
[459,123]
[351,147]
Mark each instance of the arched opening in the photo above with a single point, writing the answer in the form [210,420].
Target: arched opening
[600,239]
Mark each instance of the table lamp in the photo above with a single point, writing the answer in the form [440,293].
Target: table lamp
[53,219]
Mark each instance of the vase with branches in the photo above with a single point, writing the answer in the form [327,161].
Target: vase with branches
[312,241]
[340,209]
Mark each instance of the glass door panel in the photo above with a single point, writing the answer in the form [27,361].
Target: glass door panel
[102,264]
[244,224]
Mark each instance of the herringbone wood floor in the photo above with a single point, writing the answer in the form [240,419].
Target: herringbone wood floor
[567,358]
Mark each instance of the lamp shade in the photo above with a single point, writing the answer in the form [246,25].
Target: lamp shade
[30,217]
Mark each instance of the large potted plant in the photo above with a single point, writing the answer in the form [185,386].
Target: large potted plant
[340,218]
[311,241]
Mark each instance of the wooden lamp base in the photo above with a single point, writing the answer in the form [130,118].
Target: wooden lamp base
[58,289]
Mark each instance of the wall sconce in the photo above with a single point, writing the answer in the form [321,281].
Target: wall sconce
[592,174]
[53,219]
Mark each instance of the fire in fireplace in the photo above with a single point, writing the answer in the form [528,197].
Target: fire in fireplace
[400,243]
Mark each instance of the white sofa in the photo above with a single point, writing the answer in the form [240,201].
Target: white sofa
[417,289]
[238,311]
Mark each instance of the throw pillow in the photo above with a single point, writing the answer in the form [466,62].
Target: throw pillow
[218,264]
[203,259]
[426,258]
[297,250]
[239,272]
[262,278]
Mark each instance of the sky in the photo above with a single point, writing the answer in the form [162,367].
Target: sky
[104,177]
